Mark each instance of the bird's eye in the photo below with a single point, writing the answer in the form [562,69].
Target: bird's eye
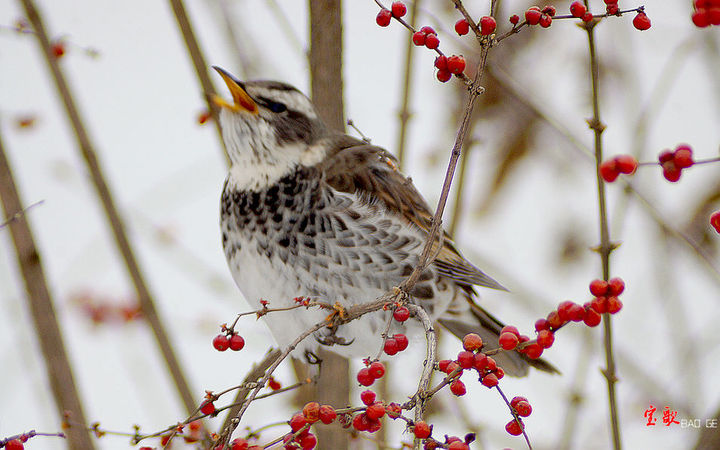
[276,107]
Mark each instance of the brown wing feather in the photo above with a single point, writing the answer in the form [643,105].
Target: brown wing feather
[371,172]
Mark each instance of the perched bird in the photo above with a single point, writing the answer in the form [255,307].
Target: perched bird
[309,211]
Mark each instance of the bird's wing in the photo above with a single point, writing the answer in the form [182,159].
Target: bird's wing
[371,173]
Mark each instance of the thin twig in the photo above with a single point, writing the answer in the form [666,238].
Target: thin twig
[606,246]
[15,216]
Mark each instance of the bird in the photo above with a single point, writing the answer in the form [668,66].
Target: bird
[308,211]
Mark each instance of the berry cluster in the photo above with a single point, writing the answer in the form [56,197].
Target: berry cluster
[707,12]
[543,17]
[397,10]
[228,340]
[521,407]
[611,7]
[471,358]
[578,10]
[367,375]
[611,168]
[448,66]
[674,162]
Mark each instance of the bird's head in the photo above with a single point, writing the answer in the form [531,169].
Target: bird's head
[269,128]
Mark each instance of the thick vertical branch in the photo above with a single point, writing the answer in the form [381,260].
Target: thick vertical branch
[326,45]
[606,246]
[200,65]
[115,221]
[59,371]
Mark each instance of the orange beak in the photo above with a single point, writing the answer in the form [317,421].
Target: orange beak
[241,100]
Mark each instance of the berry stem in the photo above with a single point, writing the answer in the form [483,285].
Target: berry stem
[606,246]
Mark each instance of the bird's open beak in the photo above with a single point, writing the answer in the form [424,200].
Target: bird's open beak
[241,100]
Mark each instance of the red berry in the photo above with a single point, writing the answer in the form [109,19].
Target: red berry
[514,428]
[456,64]
[58,49]
[377,369]
[612,10]
[545,21]
[311,411]
[308,442]
[577,312]
[383,17]
[462,27]
[499,372]
[15,444]
[715,221]
[360,422]
[542,324]
[401,313]
[393,410]
[491,364]
[431,41]
[490,380]
[683,157]
[457,387]
[466,359]
[626,164]
[391,347]
[608,170]
[616,286]
[599,304]
[367,397]
[443,75]
[641,21]
[481,361]
[549,10]
[510,329]
[236,342]
[398,9]
[297,421]
[441,62]
[555,321]
[610,2]
[701,18]
[487,25]
[443,365]
[714,14]
[564,310]
[591,318]
[221,343]
[427,30]
[533,351]
[614,305]
[517,399]
[671,172]
[375,411]
[508,341]
[598,287]
[665,156]
[274,384]
[577,9]
[523,409]
[364,377]
[327,414]
[373,424]
[546,338]
[514,19]
[402,341]
[238,444]
[418,38]
[458,445]
[472,342]
[587,17]
[532,16]
[208,407]
[422,430]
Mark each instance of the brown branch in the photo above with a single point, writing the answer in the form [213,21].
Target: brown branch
[606,246]
[57,365]
[200,65]
[117,226]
